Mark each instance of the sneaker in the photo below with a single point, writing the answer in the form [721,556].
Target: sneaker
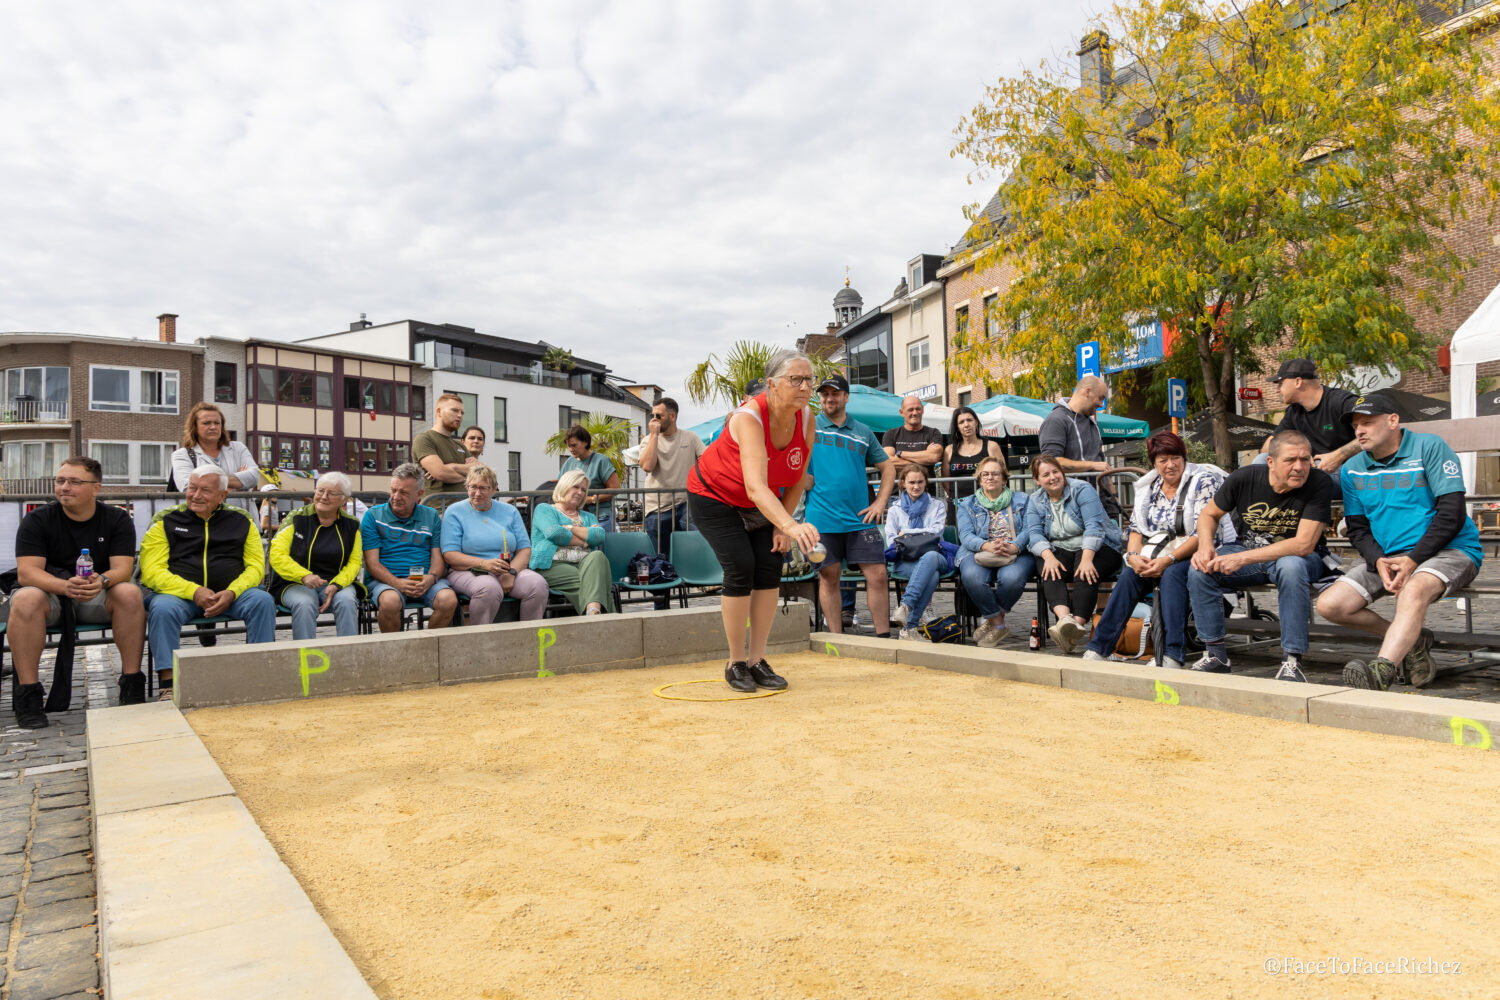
[993,636]
[1211,664]
[1291,670]
[29,700]
[912,635]
[1376,675]
[1065,633]
[982,632]
[133,689]
[1168,663]
[1092,655]
[737,676]
[901,615]
[1418,663]
[764,676]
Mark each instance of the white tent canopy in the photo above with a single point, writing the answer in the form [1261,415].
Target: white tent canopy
[1475,342]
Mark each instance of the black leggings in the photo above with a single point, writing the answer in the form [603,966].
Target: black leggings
[1085,595]
[749,564]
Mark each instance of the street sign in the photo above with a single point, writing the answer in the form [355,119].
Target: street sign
[1145,348]
[1089,362]
[1249,393]
[1177,398]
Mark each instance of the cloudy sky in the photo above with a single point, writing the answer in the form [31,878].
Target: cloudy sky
[642,182]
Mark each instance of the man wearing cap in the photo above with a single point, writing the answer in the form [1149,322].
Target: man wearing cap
[1404,505]
[1317,412]
[839,506]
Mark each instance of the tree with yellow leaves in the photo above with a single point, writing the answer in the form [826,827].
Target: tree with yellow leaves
[1243,173]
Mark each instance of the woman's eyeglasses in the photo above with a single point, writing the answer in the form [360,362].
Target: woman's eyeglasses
[800,381]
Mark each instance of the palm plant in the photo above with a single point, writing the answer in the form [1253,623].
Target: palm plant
[559,359]
[723,381]
[611,437]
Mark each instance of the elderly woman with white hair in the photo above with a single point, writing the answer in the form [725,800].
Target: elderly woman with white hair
[565,547]
[316,558]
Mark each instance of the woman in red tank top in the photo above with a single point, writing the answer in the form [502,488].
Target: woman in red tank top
[741,495]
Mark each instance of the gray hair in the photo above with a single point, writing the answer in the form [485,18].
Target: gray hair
[566,481]
[211,470]
[1281,439]
[407,470]
[338,481]
[782,360]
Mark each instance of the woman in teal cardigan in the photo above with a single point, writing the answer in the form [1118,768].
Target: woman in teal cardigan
[565,547]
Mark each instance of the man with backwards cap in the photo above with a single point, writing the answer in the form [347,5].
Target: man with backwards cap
[1404,506]
[839,506]
[1317,411]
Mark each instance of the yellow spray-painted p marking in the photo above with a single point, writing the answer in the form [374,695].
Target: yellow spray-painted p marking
[544,637]
[307,671]
[1165,695]
[1459,724]
[830,649]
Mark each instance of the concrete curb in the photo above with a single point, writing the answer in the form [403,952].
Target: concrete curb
[1387,712]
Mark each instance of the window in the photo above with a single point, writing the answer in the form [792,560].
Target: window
[33,394]
[914,277]
[286,383]
[966,399]
[499,420]
[961,322]
[325,392]
[226,375]
[351,394]
[132,390]
[403,398]
[156,462]
[371,395]
[916,357]
[418,401]
[515,471]
[265,384]
[130,463]
[385,398]
[471,407]
[115,458]
[34,459]
[869,366]
[567,417]
[1022,322]
[991,317]
[264,447]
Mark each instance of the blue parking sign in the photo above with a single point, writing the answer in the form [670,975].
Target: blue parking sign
[1177,398]
[1089,360]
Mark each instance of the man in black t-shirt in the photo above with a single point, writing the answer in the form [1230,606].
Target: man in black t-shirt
[1280,509]
[1317,412]
[48,544]
[911,443]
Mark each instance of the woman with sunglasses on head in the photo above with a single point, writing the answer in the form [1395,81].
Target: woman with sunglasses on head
[741,495]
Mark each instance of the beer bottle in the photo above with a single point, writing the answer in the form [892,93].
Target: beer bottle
[1036,635]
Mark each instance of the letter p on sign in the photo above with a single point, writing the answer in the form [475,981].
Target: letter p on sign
[1089,362]
[1177,398]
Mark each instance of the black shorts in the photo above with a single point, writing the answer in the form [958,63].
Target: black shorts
[865,547]
[746,556]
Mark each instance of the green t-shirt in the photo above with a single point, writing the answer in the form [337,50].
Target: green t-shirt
[448,451]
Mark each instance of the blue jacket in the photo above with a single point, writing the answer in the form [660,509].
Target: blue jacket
[551,529]
[974,524]
[1081,501]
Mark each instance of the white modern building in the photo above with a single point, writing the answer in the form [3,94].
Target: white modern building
[918,346]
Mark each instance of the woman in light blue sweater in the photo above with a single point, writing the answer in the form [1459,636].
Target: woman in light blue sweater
[565,548]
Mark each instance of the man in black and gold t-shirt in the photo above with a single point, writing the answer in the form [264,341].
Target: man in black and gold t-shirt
[1280,509]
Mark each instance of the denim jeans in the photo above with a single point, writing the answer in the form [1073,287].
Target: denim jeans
[1293,577]
[995,591]
[922,579]
[660,524]
[303,603]
[1128,591]
[165,616]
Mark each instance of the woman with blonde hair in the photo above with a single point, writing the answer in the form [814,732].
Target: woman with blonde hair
[566,547]
[205,441]
[488,552]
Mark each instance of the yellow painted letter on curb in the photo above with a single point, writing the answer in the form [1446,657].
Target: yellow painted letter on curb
[544,637]
[1459,724]
[1165,695]
[307,671]
[830,649]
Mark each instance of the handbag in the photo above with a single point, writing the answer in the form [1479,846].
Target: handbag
[570,554]
[1135,638]
[1159,543]
[943,628]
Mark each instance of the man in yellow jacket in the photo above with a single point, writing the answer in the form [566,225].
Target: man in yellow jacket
[202,558]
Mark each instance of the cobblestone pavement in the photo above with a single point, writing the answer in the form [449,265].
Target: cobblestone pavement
[47,892]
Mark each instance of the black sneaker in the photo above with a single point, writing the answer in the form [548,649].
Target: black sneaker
[1291,670]
[133,689]
[28,701]
[1210,663]
[738,676]
[1418,663]
[765,677]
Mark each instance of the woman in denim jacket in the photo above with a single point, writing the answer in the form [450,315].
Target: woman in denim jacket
[992,561]
[1074,542]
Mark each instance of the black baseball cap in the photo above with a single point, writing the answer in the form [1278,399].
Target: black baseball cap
[834,382]
[1371,405]
[1295,368]
[755,387]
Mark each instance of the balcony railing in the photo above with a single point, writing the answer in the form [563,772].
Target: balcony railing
[34,411]
[521,373]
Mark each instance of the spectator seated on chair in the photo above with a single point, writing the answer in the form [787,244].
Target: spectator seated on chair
[48,544]
[1280,509]
[403,561]
[203,559]
[316,560]
[1163,538]
[487,551]
[1404,505]
[993,561]
[566,547]
[913,537]
[1075,542]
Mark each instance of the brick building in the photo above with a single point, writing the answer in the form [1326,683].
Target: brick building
[121,400]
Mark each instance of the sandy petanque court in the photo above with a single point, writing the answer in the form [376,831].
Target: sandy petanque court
[877,831]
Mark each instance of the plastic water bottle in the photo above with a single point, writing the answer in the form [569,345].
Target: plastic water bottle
[85,566]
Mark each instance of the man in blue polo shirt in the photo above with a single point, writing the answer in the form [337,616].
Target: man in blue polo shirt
[1404,506]
[838,505]
[403,560]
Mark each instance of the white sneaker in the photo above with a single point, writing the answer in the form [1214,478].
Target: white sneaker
[1089,654]
[992,635]
[1061,637]
[982,632]
[900,616]
[912,635]
[1170,664]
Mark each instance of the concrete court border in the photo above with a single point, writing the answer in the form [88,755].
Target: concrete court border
[1444,720]
[193,899]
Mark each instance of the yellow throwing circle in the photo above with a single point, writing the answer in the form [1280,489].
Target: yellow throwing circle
[736,697]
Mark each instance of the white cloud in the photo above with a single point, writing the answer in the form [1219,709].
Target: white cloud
[642,182]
